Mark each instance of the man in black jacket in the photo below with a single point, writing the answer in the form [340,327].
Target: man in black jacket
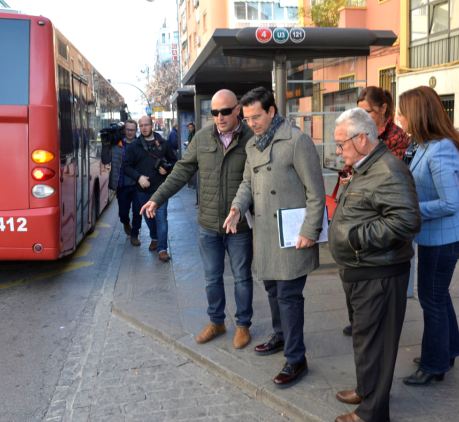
[149,159]
[370,238]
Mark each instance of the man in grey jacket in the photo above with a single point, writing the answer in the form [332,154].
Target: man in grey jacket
[370,238]
[282,171]
[218,152]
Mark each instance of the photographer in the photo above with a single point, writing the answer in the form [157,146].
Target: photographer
[115,143]
[149,159]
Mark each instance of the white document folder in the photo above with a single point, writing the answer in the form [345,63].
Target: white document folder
[289,222]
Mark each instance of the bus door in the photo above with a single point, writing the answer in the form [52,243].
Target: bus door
[81,156]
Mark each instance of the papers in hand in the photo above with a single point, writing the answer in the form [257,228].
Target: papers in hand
[289,222]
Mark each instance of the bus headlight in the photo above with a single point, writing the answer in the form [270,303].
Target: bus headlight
[42,191]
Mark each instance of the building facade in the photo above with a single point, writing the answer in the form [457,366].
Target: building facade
[198,20]
[429,49]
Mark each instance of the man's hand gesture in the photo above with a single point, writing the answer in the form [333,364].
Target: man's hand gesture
[149,209]
[231,221]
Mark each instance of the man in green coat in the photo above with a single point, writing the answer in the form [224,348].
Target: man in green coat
[282,171]
[218,152]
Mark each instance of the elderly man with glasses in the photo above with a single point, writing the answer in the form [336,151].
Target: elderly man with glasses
[370,238]
[218,152]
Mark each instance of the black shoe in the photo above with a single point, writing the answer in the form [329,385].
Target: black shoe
[127,228]
[273,345]
[291,374]
[347,330]
[417,361]
[422,378]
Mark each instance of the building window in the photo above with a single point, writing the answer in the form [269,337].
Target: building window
[448,103]
[276,10]
[204,22]
[347,81]
[387,81]
[434,38]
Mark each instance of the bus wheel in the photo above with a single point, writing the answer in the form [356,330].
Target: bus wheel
[94,212]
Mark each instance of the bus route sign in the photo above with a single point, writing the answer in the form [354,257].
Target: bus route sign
[263,35]
[280,35]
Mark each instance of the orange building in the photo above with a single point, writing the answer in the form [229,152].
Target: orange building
[198,19]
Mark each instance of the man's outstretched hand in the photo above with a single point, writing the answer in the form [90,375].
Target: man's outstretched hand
[232,219]
[149,209]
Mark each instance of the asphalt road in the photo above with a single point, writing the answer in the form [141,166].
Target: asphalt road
[41,307]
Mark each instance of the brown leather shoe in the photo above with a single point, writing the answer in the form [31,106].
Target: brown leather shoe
[135,241]
[349,397]
[349,417]
[291,374]
[241,337]
[164,256]
[209,332]
[153,245]
[273,345]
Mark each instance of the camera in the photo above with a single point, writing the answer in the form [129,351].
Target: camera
[112,134]
[161,162]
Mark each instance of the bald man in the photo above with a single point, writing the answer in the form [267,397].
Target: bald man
[218,152]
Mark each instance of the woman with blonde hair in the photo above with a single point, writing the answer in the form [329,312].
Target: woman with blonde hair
[435,168]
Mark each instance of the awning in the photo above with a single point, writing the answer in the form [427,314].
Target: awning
[246,55]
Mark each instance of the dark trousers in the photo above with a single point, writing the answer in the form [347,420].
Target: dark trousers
[125,197]
[378,309]
[440,341]
[287,312]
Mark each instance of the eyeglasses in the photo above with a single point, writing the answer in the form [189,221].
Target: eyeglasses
[339,145]
[252,118]
[223,111]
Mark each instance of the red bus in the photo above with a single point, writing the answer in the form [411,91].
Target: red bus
[53,103]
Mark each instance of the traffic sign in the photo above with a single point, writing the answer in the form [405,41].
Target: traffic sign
[148,110]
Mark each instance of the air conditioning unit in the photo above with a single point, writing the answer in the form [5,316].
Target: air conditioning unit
[195,3]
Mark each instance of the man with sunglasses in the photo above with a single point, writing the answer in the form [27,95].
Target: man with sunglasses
[218,152]
[370,238]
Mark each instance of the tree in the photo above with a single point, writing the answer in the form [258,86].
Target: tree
[326,12]
[164,83]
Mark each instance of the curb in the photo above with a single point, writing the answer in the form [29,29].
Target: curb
[253,390]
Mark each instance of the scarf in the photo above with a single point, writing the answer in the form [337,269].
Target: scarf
[261,142]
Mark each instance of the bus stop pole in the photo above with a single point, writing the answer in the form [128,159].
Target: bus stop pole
[280,78]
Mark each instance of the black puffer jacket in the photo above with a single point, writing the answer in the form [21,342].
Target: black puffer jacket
[143,159]
[377,215]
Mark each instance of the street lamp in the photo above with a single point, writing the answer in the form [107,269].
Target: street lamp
[149,109]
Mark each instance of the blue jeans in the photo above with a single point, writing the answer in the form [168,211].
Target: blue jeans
[126,198]
[212,246]
[158,226]
[286,302]
[440,341]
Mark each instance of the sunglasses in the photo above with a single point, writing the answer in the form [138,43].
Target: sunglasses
[223,111]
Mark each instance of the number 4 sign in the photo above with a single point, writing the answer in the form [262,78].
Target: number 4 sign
[263,35]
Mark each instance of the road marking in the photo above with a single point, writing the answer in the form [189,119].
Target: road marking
[82,250]
[104,225]
[70,267]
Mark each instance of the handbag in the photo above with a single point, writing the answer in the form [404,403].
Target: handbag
[331,202]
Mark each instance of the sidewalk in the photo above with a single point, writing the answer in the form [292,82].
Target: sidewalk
[168,302]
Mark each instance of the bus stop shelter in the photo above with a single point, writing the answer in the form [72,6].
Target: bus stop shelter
[241,59]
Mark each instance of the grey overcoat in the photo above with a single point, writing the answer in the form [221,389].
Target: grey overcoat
[287,174]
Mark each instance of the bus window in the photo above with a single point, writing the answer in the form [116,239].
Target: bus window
[14,71]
